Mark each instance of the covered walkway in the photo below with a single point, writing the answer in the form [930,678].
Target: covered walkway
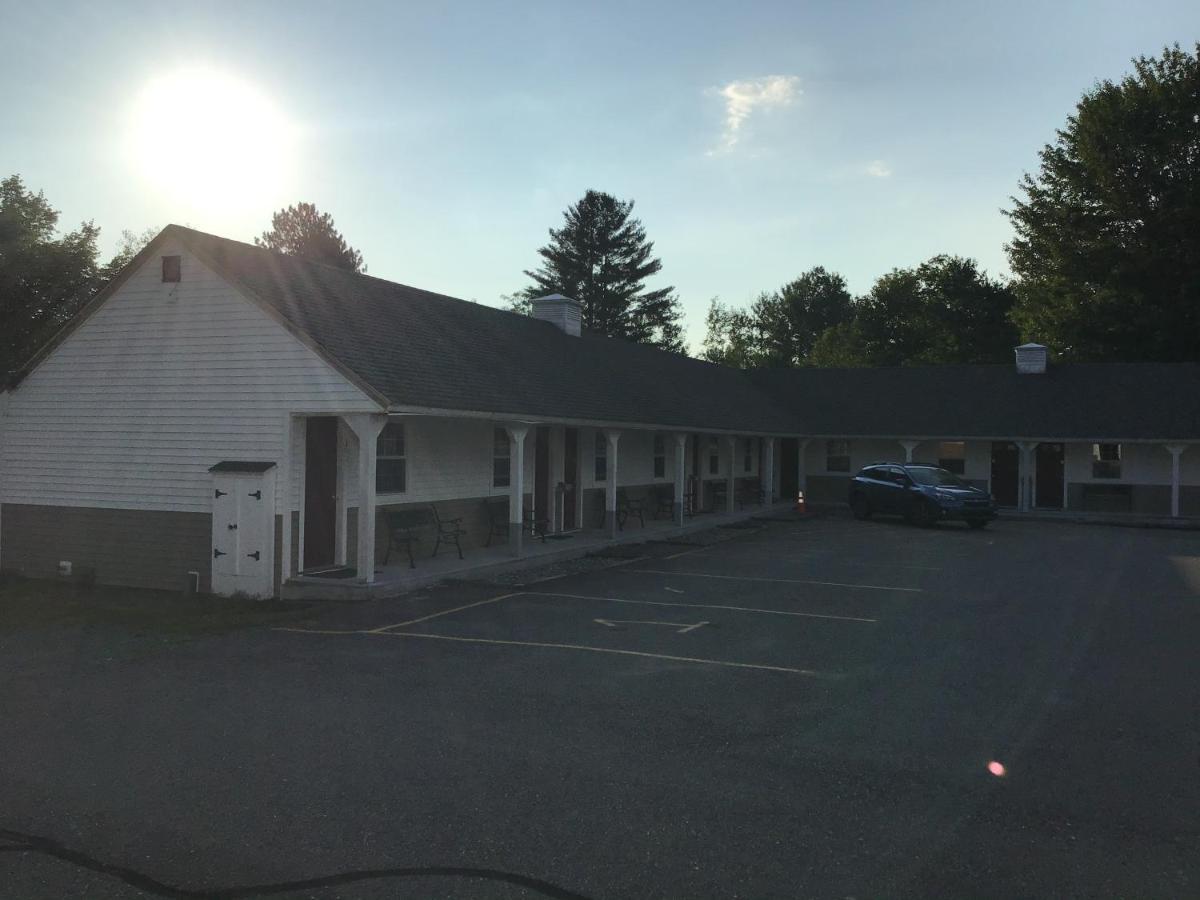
[397,578]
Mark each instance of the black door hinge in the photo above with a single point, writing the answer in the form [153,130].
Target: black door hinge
[232,526]
[255,555]
[219,493]
[217,553]
[257,495]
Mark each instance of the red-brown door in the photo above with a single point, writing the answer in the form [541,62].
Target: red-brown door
[320,491]
[1005,467]
[570,477]
[1048,485]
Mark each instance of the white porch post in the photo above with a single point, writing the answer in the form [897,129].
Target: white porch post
[768,474]
[909,447]
[680,477]
[366,428]
[516,487]
[1176,450]
[613,437]
[731,444]
[556,477]
[801,466]
[341,526]
[283,495]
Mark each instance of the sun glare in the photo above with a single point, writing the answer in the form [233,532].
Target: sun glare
[210,141]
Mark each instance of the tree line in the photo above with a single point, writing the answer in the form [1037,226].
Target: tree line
[1105,260]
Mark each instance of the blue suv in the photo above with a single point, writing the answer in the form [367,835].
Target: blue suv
[922,494]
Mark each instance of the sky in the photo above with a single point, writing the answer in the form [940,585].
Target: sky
[757,139]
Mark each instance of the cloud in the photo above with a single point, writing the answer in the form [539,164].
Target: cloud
[878,169]
[743,98]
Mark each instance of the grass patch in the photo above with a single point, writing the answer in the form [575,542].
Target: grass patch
[33,603]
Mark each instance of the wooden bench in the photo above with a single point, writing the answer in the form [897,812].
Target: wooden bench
[749,492]
[628,507]
[406,526]
[449,531]
[404,529]
[498,524]
[664,501]
[716,496]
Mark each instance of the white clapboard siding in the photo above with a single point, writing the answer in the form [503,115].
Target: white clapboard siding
[159,384]
[445,459]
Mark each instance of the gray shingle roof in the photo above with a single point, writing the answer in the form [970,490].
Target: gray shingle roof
[422,349]
[1131,401]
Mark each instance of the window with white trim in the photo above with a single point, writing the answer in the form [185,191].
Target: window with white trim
[391,465]
[660,456]
[1106,460]
[837,456]
[601,471]
[952,456]
[714,456]
[501,458]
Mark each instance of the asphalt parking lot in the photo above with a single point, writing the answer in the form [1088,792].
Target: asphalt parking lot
[809,708]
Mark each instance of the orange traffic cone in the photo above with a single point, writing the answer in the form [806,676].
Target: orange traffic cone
[800,507]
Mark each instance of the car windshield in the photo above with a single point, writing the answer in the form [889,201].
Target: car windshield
[939,477]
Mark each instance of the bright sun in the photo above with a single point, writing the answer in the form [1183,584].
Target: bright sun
[210,141]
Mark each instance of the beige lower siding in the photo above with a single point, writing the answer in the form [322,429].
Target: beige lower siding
[471,510]
[123,547]
[1140,499]
[1136,499]
[131,548]
[475,521]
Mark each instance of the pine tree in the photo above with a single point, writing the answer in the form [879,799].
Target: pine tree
[601,258]
[302,230]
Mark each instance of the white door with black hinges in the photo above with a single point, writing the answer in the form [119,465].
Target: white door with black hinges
[243,529]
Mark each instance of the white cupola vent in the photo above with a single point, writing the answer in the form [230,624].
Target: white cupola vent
[562,311]
[1032,359]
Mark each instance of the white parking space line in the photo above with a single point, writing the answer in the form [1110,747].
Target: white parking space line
[843,584]
[444,612]
[612,650]
[825,557]
[746,609]
[317,630]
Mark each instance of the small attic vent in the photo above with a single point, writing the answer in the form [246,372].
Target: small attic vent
[1031,359]
[172,269]
[562,311]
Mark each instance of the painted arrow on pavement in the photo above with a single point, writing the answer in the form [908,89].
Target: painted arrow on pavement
[683,627]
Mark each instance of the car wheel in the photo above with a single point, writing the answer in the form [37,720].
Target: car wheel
[922,514]
[977,523]
[861,506]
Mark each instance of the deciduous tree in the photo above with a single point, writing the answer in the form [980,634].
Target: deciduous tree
[790,320]
[1108,231]
[44,277]
[944,311]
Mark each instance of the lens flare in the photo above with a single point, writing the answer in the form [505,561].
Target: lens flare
[997,769]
